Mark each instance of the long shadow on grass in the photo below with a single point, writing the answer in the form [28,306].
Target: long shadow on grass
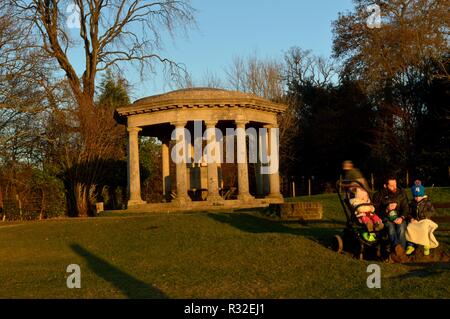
[432,269]
[253,224]
[130,286]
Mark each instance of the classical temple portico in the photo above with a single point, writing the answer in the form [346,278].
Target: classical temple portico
[176,118]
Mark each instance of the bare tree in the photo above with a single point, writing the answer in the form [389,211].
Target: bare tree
[303,67]
[255,75]
[266,78]
[209,80]
[22,99]
[23,112]
[111,32]
[237,73]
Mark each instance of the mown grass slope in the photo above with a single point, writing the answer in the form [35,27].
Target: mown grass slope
[200,255]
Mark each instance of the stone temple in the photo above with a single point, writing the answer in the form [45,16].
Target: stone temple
[210,138]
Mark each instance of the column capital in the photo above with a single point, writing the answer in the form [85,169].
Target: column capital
[240,122]
[270,125]
[178,124]
[210,123]
[134,129]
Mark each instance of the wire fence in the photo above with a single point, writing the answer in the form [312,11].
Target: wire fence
[25,208]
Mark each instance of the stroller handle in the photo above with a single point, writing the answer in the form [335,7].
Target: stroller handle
[346,183]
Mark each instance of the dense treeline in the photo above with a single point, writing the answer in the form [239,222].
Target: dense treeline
[342,121]
[389,111]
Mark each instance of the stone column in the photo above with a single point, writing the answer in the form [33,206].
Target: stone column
[242,166]
[134,180]
[274,177]
[258,176]
[179,152]
[212,160]
[194,172]
[264,153]
[166,170]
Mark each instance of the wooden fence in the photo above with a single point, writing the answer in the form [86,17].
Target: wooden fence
[23,208]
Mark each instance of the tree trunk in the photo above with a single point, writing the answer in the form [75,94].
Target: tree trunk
[78,200]
[112,194]
[42,211]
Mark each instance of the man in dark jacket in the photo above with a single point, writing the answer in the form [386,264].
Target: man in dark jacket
[391,203]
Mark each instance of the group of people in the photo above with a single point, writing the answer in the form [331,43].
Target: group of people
[407,225]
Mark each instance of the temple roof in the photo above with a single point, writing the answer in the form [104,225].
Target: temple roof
[199,98]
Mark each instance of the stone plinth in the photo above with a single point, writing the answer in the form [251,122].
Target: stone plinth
[298,210]
[193,206]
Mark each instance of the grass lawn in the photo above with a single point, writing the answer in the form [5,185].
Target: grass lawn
[202,255]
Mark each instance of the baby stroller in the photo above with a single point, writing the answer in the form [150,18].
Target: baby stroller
[351,240]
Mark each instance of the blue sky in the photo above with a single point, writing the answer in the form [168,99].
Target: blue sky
[228,28]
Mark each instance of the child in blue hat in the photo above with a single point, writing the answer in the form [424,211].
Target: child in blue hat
[418,191]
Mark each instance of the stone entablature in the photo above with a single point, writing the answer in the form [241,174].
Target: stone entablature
[200,98]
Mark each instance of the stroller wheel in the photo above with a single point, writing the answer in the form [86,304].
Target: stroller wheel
[338,244]
[379,254]
[360,251]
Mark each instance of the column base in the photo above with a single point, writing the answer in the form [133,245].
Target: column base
[245,197]
[214,198]
[275,198]
[167,198]
[135,202]
[181,200]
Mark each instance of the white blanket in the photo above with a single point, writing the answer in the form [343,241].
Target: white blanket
[421,233]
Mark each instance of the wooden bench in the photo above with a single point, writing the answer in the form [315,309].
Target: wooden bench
[441,219]
[441,205]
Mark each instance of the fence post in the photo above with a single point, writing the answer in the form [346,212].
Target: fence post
[1,204]
[41,213]
[407,178]
[293,188]
[20,206]
[309,186]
